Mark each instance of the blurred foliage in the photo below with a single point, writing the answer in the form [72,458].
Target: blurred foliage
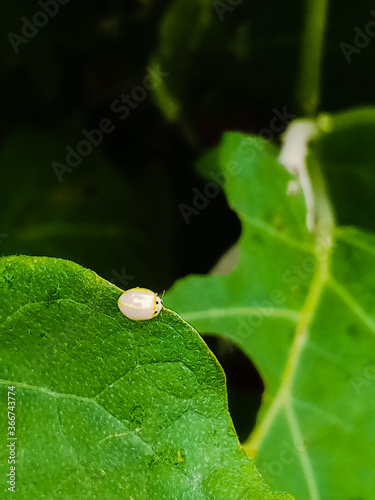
[227,69]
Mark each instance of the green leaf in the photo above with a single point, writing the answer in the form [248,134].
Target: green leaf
[345,148]
[302,310]
[107,407]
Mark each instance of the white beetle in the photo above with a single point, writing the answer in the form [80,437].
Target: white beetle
[140,304]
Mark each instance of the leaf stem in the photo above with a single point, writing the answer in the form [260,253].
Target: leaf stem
[324,217]
[308,91]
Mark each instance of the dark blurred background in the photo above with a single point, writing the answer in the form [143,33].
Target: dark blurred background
[214,65]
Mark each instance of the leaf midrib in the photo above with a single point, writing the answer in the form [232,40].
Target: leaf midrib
[240,311]
[283,398]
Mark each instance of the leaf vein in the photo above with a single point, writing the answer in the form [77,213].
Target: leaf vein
[272,231]
[240,311]
[352,304]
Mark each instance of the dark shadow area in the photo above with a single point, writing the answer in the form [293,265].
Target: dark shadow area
[245,387]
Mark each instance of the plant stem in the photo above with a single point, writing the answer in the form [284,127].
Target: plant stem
[324,217]
[308,92]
